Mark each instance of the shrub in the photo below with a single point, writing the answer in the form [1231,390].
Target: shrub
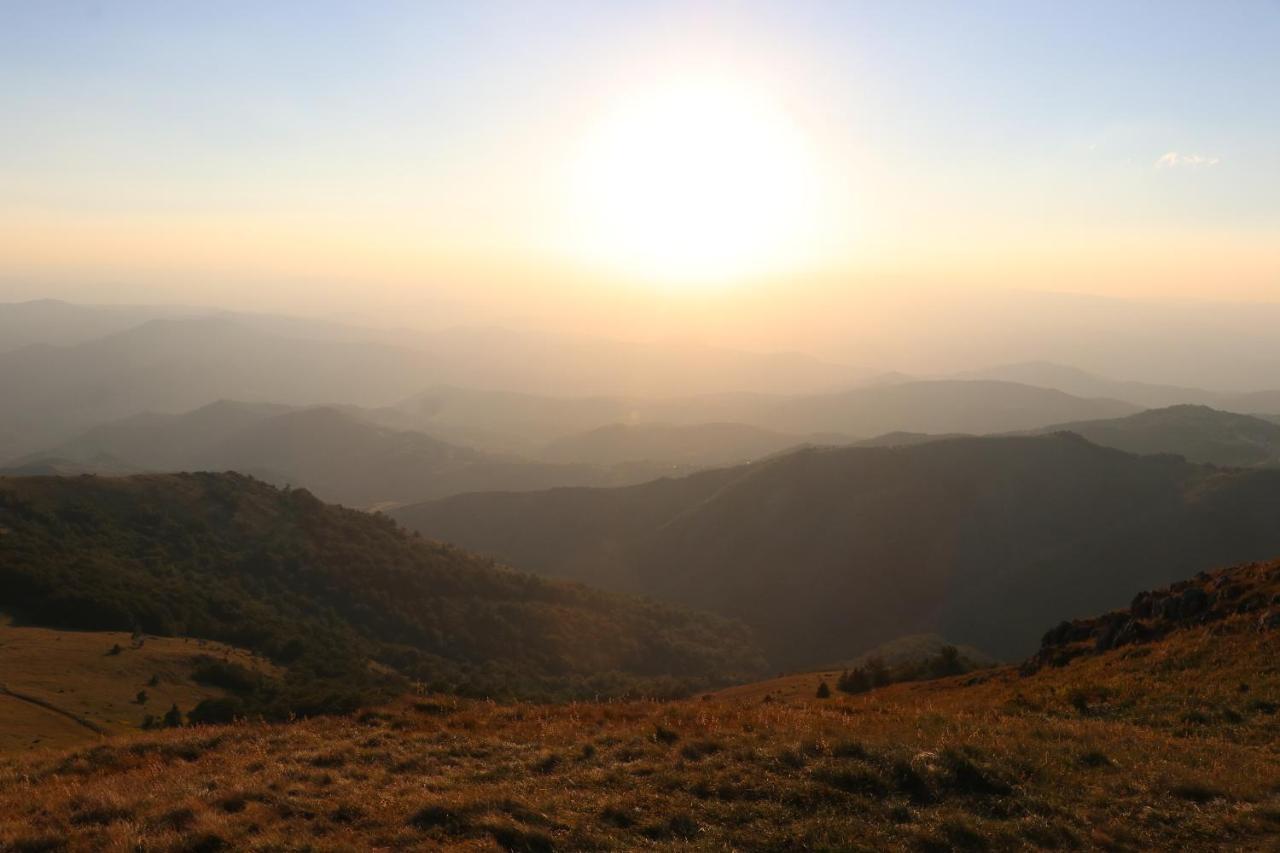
[1196,792]
[1094,758]
[448,818]
[854,681]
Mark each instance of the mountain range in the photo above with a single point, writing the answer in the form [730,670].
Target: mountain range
[1072,380]
[66,368]
[60,378]
[709,444]
[1199,433]
[534,424]
[334,451]
[829,551]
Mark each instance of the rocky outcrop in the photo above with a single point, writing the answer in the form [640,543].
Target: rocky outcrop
[1248,593]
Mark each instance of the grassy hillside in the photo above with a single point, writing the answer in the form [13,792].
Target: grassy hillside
[323,590]
[1168,742]
[827,552]
[63,688]
[1199,433]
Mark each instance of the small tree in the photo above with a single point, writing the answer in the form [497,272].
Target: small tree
[141,698]
[877,672]
[947,662]
[855,681]
[173,717]
[824,692]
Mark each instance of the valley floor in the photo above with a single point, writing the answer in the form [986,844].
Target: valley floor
[1131,750]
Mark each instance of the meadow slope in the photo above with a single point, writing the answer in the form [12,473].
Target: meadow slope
[67,688]
[1161,736]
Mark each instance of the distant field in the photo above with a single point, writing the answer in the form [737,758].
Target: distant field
[65,688]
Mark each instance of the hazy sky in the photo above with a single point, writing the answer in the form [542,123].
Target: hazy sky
[683,164]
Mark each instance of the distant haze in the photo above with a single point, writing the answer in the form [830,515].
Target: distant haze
[860,182]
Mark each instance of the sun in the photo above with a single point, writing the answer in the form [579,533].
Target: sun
[694,184]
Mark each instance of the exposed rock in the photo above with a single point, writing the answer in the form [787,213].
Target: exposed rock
[1215,597]
[1192,602]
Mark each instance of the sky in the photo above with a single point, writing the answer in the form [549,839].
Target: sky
[742,171]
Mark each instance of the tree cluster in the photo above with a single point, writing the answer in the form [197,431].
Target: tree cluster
[875,673]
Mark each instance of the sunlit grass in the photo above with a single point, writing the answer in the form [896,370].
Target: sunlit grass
[1156,754]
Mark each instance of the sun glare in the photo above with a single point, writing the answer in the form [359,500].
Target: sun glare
[696,184]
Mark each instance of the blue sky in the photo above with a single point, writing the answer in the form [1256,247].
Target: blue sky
[408,139]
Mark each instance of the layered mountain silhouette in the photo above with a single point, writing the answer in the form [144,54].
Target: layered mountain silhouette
[933,407]
[174,365]
[1199,433]
[827,552]
[1073,380]
[58,323]
[528,423]
[698,444]
[335,452]
[59,378]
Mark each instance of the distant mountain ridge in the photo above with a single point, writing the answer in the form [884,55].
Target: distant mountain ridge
[697,444]
[53,322]
[528,422]
[1072,380]
[1199,433]
[830,551]
[335,452]
[61,379]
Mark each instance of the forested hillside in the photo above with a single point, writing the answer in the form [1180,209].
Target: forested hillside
[827,552]
[324,591]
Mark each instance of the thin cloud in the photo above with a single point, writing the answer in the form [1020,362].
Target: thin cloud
[1173,159]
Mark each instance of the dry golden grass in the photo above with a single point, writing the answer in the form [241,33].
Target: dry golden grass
[1170,745]
[75,673]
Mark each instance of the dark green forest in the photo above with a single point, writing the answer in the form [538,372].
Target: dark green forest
[827,552]
[351,604]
